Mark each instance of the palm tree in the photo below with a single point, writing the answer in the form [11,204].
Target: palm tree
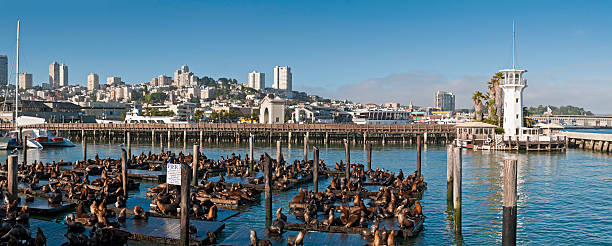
[477,97]
[498,97]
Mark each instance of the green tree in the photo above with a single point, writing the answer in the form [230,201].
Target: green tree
[477,98]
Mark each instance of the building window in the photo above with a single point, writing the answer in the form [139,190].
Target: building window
[517,116]
[517,100]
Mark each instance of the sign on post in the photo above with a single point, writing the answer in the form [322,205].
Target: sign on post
[173,174]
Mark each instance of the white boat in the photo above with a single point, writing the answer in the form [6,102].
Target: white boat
[44,138]
[135,117]
[381,116]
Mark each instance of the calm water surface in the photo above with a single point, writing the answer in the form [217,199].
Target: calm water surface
[564,198]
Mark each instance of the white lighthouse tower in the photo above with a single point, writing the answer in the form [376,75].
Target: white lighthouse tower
[513,85]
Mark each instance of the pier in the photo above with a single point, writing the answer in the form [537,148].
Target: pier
[590,141]
[226,132]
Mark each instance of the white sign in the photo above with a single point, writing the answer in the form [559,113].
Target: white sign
[173,174]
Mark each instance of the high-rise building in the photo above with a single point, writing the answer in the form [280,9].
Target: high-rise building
[445,101]
[93,82]
[257,80]
[25,81]
[282,78]
[54,75]
[3,70]
[113,80]
[63,75]
[184,78]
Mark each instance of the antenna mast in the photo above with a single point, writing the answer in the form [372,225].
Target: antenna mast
[17,81]
[513,44]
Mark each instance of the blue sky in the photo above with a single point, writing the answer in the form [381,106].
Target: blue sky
[369,51]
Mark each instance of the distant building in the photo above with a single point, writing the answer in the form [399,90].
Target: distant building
[63,75]
[162,80]
[257,80]
[207,93]
[3,70]
[93,82]
[272,111]
[54,75]
[25,81]
[282,78]
[184,78]
[392,105]
[113,81]
[445,101]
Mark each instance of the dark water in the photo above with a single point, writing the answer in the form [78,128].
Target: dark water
[564,198]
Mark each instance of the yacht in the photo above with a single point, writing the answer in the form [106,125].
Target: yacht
[135,117]
[381,116]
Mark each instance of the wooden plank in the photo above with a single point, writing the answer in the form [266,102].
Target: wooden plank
[167,230]
[242,237]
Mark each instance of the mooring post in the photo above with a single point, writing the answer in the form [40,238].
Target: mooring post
[25,149]
[509,220]
[306,148]
[153,138]
[194,165]
[418,160]
[449,172]
[185,203]
[129,145]
[251,156]
[12,177]
[201,137]
[124,172]
[457,155]
[161,143]
[279,153]
[168,139]
[347,158]
[84,149]
[369,156]
[315,169]
[184,136]
[268,188]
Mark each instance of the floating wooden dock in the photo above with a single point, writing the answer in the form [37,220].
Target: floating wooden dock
[42,207]
[167,230]
[242,237]
[390,224]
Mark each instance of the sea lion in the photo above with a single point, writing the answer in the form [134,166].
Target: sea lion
[280,215]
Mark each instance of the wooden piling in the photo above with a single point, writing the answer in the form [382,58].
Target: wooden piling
[194,165]
[347,158]
[449,172]
[12,177]
[25,149]
[418,159]
[251,156]
[268,188]
[129,145]
[305,148]
[279,153]
[161,143]
[369,156]
[124,175]
[84,149]
[185,203]
[509,203]
[457,156]
[315,169]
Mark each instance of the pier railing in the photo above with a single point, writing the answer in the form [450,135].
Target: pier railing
[236,127]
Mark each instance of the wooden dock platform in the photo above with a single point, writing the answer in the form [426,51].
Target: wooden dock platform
[167,230]
[242,237]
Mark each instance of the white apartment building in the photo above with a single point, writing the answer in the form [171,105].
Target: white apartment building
[54,75]
[257,80]
[63,75]
[113,80]
[184,78]
[93,82]
[25,81]
[282,78]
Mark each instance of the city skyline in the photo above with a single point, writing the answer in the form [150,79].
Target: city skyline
[401,55]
